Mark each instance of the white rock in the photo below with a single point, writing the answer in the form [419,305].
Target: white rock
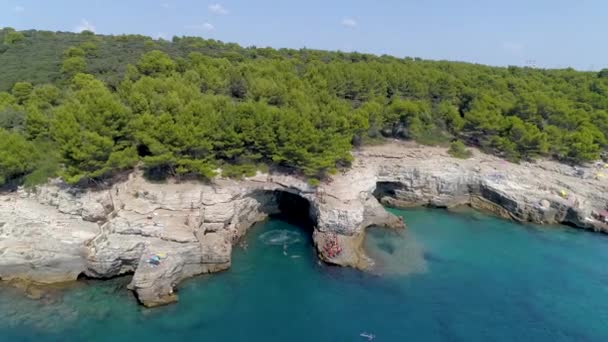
[46,236]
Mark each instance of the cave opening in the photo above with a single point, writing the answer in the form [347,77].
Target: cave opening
[386,192]
[294,209]
[290,227]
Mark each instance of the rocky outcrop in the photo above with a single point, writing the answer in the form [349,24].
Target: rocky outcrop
[163,233]
[40,243]
[192,225]
[544,192]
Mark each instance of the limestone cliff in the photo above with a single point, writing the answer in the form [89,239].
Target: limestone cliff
[544,192]
[56,233]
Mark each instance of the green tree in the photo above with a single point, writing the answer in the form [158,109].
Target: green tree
[530,142]
[581,146]
[45,96]
[73,65]
[17,156]
[450,115]
[90,49]
[13,37]
[90,130]
[12,118]
[37,125]
[73,51]
[156,62]
[22,91]
[237,85]
[192,106]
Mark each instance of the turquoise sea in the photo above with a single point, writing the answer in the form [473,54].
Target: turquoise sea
[448,277]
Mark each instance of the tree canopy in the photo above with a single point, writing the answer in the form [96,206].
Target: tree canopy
[191,106]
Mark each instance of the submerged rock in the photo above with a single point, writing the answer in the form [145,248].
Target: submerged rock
[55,233]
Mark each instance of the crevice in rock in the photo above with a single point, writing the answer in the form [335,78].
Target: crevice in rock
[83,277]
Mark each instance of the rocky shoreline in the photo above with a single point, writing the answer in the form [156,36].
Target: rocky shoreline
[56,234]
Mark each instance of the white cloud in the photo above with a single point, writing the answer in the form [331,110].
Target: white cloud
[162,35]
[203,27]
[19,9]
[516,49]
[349,22]
[85,25]
[218,9]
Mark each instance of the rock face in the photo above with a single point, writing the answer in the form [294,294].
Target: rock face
[40,242]
[544,192]
[56,233]
[165,233]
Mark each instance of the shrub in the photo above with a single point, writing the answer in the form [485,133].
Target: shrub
[458,150]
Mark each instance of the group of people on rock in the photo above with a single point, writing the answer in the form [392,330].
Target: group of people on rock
[332,247]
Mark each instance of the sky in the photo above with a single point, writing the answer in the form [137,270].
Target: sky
[541,33]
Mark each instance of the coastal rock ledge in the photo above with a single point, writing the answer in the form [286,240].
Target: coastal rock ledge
[56,233]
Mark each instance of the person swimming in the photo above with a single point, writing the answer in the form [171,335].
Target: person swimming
[370,337]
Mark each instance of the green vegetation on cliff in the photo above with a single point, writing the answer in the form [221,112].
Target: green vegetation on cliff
[86,106]
[458,150]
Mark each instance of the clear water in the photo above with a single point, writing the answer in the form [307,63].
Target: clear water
[450,277]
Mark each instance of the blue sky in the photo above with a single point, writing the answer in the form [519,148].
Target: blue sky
[547,33]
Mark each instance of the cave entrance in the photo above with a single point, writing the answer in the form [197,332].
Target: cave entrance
[294,209]
[387,192]
[291,224]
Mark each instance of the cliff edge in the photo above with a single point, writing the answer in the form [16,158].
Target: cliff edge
[163,233]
